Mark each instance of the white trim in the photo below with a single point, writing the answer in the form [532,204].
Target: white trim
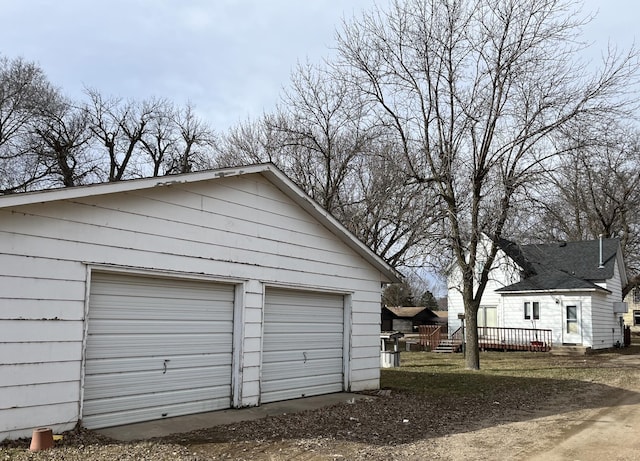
[85,329]
[305,287]
[551,292]
[346,342]
[163,273]
[579,311]
[237,353]
[262,304]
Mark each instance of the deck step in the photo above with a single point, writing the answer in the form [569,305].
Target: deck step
[447,346]
[570,350]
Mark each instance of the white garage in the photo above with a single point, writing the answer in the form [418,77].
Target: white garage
[151,298]
[156,348]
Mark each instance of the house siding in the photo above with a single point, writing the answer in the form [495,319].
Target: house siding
[504,272]
[243,230]
[607,329]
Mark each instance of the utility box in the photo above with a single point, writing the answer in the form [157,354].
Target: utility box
[390,358]
[620,308]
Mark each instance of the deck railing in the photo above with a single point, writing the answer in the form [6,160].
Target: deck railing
[431,335]
[522,339]
[525,339]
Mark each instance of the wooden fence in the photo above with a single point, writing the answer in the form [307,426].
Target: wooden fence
[431,336]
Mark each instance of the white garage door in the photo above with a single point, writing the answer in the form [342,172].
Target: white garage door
[156,348]
[302,344]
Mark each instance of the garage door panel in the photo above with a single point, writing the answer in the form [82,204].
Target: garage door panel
[284,356]
[132,364]
[297,314]
[314,368]
[137,325]
[292,299]
[305,390]
[111,346]
[151,413]
[327,380]
[136,402]
[150,327]
[140,383]
[128,285]
[122,308]
[303,328]
[302,344]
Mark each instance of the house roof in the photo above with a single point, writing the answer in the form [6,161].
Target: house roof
[267,170]
[407,312]
[562,266]
[441,314]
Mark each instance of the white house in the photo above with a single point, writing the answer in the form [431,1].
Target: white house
[159,297]
[571,288]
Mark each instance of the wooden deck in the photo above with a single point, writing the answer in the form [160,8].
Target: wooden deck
[491,338]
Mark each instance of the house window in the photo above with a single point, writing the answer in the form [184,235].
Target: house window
[636,317]
[532,310]
[636,295]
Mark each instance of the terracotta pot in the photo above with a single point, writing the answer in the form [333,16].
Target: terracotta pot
[41,439]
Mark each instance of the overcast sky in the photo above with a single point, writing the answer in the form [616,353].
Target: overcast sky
[229,57]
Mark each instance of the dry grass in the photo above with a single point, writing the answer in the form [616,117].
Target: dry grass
[444,374]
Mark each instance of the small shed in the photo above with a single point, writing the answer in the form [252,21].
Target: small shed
[407,319]
[146,299]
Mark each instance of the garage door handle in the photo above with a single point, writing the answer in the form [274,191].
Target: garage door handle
[304,354]
[164,371]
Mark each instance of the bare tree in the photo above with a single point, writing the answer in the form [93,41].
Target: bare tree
[325,126]
[596,190]
[24,91]
[252,141]
[324,138]
[393,215]
[119,127]
[195,142]
[475,92]
[62,140]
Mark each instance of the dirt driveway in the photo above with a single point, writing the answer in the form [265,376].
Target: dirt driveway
[547,418]
[608,433]
[559,421]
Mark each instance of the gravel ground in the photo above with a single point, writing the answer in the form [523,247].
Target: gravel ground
[386,426]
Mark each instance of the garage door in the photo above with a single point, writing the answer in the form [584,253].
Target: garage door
[156,348]
[302,344]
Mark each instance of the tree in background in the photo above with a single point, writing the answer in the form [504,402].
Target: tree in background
[595,190]
[413,291]
[475,92]
[62,140]
[325,139]
[25,95]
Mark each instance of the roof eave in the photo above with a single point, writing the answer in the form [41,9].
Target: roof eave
[554,290]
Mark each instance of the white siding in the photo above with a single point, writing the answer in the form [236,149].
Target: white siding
[551,313]
[504,272]
[238,228]
[607,329]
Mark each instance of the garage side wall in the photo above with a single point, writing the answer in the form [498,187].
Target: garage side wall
[240,229]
